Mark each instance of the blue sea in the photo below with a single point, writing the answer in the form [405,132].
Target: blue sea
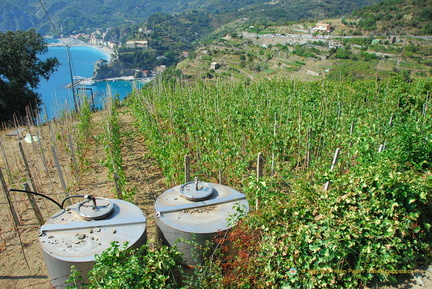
[57,98]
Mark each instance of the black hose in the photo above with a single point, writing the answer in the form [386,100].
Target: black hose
[69,197]
[34,193]
[89,197]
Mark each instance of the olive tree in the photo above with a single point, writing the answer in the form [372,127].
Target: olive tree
[21,71]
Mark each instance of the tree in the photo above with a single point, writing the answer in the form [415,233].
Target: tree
[21,71]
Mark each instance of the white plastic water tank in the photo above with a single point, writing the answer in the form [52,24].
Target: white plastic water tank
[73,236]
[196,211]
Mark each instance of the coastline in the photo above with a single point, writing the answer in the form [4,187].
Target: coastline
[75,42]
[107,51]
[57,97]
[91,81]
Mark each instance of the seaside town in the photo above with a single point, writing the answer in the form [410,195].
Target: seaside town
[109,48]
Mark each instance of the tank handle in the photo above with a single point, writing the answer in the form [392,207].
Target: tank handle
[228,199]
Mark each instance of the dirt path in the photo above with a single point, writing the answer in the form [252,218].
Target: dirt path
[21,262]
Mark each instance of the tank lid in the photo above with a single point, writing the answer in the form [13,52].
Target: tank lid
[196,191]
[95,209]
[177,214]
[67,236]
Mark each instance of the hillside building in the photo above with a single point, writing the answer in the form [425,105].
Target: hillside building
[322,27]
[214,65]
[137,44]
[160,69]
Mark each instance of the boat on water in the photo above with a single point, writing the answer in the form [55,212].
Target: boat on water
[78,80]
[87,82]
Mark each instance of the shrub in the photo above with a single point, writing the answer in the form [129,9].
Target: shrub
[118,267]
[347,237]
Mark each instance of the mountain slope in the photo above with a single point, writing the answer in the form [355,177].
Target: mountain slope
[13,18]
[77,16]
[395,16]
[246,50]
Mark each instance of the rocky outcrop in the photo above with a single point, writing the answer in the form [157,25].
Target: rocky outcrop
[109,69]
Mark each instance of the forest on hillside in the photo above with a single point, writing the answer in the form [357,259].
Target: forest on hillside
[396,17]
[168,37]
[75,16]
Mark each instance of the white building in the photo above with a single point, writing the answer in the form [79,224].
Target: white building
[137,44]
[322,27]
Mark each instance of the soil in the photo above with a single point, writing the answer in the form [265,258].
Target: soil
[21,263]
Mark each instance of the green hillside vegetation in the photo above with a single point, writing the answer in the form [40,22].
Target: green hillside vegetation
[292,51]
[371,224]
[395,17]
[270,46]
[246,49]
[71,17]
[279,12]
[168,36]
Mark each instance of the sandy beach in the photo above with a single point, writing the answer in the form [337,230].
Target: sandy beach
[76,42]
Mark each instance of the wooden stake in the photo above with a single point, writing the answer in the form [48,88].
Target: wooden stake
[5,159]
[28,123]
[34,205]
[273,154]
[335,158]
[71,146]
[29,174]
[42,154]
[219,162]
[272,172]
[351,132]
[260,167]
[50,124]
[9,200]
[29,117]
[187,168]
[118,189]
[21,245]
[16,124]
[59,170]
